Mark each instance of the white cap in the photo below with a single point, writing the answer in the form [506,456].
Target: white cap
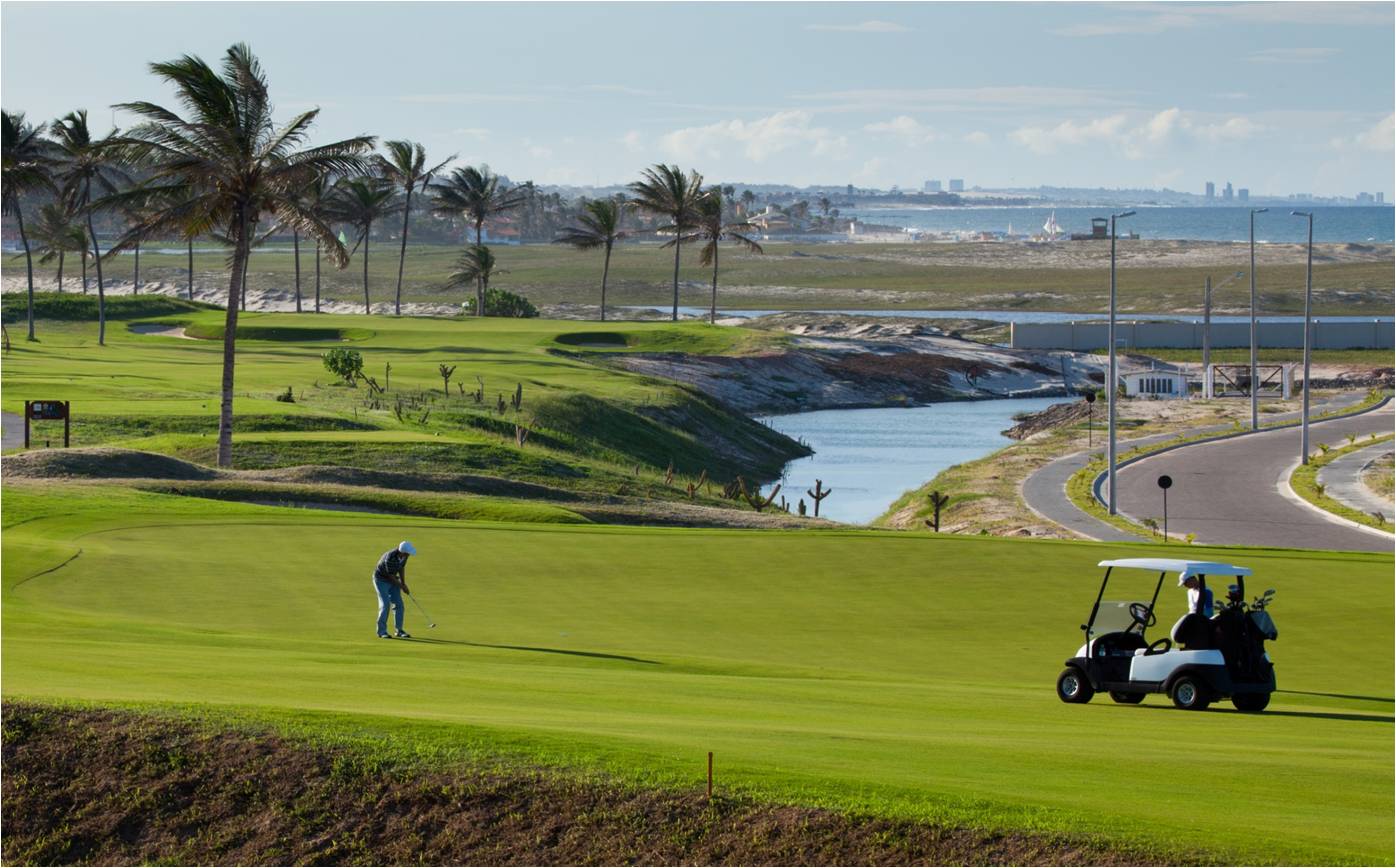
[406,548]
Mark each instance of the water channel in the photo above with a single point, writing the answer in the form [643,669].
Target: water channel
[871,457]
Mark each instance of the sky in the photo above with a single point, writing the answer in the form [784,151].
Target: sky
[1275,97]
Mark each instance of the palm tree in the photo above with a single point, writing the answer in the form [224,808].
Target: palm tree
[476,265]
[711,230]
[314,198]
[670,193]
[405,166]
[474,194]
[598,226]
[85,163]
[359,202]
[227,166]
[57,233]
[27,167]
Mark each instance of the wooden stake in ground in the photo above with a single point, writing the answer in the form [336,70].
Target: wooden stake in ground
[710,774]
[938,501]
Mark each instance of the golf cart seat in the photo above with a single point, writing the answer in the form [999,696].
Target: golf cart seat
[1193,632]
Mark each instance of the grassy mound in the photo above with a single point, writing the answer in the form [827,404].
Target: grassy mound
[212,331]
[101,463]
[69,306]
[131,785]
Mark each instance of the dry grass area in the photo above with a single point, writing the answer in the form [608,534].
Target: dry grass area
[986,495]
[1379,476]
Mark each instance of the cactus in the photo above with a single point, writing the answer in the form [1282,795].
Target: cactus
[757,502]
[517,400]
[696,484]
[818,493]
[1320,488]
[802,507]
[521,432]
[499,408]
[480,392]
[446,372]
[426,413]
[731,490]
[669,474]
[938,502]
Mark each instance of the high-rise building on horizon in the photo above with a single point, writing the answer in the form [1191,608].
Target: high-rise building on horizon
[1365,199]
[1226,192]
[849,191]
[931,187]
[1211,191]
[1381,198]
[1243,194]
[957,185]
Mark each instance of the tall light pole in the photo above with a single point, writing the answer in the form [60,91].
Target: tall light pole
[1308,306]
[1207,388]
[1255,398]
[1112,385]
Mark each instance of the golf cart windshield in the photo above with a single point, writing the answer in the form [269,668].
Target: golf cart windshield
[1113,617]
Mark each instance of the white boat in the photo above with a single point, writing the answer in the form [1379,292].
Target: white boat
[1050,228]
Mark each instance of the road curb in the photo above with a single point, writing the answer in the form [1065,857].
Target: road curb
[1099,481]
[1285,486]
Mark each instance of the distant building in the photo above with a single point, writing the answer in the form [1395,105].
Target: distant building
[1243,195]
[957,185]
[1381,198]
[1155,384]
[849,191]
[1211,191]
[931,187]
[1226,192]
[1365,198]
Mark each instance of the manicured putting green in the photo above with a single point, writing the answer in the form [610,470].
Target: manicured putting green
[901,674]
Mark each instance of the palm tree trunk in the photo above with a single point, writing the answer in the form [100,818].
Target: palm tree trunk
[243,294]
[677,245]
[191,267]
[317,276]
[712,313]
[230,332]
[367,309]
[136,279]
[402,252]
[97,260]
[84,269]
[296,240]
[605,270]
[479,282]
[28,265]
[60,271]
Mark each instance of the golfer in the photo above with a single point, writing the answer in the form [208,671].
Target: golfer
[1199,596]
[390,582]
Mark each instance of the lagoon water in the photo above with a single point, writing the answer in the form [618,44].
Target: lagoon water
[1006,315]
[870,457]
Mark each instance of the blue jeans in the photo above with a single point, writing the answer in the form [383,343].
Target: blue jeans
[389,595]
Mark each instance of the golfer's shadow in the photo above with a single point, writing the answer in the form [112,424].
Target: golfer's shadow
[1315,715]
[596,654]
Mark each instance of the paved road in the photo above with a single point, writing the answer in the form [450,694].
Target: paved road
[1045,490]
[11,430]
[1230,492]
[1342,477]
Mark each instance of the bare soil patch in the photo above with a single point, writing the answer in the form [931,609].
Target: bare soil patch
[88,786]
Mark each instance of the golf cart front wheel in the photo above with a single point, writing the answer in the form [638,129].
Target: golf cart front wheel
[1190,694]
[1126,697]
[1250,701]
[1073,686]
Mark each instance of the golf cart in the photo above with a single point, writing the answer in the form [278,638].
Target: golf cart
[1201,660]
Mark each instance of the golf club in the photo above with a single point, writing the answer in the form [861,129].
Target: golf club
[430,622]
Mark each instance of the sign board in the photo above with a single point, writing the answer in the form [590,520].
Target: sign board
[47,409]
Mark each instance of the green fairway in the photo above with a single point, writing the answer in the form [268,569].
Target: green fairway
[901,674]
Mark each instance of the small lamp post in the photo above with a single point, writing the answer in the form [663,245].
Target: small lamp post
[1112,384]
[1308,307]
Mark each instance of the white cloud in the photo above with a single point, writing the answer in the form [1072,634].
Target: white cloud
[538,152]
[620,89]
[1380,137]
[982,99]
[871,171]
[905,128]
[467,98]
[1137,138]
[757,140]
[1127,26]
[864,27]
[632,141]
[1291,55]
[978,137]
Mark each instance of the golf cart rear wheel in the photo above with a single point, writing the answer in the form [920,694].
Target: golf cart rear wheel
[1074,686]
[1125,697]
[1190,694]
[1250,701]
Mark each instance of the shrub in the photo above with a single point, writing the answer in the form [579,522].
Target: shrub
[501,302]
[286,397]
[348,365]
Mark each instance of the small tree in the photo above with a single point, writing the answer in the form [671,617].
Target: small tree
[446,372]
[348,365]
[938,502]
[817,494]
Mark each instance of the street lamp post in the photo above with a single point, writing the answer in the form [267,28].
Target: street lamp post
[1255,398]
[1308,307]
[1112,384]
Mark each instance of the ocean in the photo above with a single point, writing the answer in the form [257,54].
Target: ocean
[1360,225]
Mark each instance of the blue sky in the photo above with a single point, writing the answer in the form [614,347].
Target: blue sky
[1280,98]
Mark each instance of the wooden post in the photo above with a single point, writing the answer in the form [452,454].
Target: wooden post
[710,774]
[67,416]
[26,424]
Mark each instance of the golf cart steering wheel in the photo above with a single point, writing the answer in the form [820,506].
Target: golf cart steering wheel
[1142,615]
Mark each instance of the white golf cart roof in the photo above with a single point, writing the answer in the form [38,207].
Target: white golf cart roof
[1181,567]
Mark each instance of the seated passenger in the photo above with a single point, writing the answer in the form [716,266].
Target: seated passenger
[1199,595]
